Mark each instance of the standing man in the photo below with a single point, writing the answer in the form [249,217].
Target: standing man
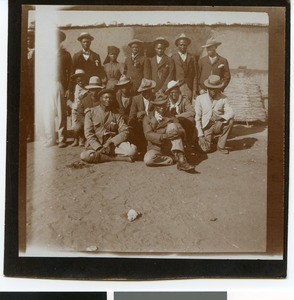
[214,116]
[213,64]
[137,66]
[162,66]
[185,68]
[164,135]
[88,60]
[181,108]
[106,133]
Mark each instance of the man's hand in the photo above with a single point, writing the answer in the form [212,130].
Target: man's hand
[141,114]
[215,118]
[67,94]
[172,135]
[204,144]
[108,148]
[202,91]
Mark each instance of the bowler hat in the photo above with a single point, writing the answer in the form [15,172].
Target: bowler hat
[94,83]
[214,82]
[104,91]
[161,40]
[61,36]
[211,42]
[85,35]
[78,73]
[135,41]
[171,85]
[182,36]
[146,84]
[123,80]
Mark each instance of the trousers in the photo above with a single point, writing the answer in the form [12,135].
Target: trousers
[164,156]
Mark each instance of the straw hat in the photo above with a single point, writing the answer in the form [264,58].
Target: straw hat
[78,73]
[171,85]
[214,82]
[84,35]
[123,80]
[94,83]
[135,41]
[182,36]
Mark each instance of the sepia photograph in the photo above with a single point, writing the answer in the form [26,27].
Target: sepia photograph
[147,132]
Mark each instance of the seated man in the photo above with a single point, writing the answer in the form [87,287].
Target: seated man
[106,133]
[164,135]
[181,108]
[141,106]
[214,116]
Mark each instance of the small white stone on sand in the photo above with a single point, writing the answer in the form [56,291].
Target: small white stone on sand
[92,248]
[133,215]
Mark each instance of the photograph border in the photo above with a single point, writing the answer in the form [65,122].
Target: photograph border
[150,268]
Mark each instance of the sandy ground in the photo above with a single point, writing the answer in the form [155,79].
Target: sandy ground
[221,209]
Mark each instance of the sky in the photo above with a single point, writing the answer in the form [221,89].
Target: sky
[84,18]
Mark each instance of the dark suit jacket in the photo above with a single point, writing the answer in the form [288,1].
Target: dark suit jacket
[190,77]
[124,111]
[154,131]
[220,68]
[137,106]
[64,68]
[137,69]
[163,72]
[92,66]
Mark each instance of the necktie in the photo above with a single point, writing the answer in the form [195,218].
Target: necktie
[173,111]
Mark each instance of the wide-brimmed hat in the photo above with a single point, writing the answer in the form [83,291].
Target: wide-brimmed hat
[211,42]
[113,49]
[61,36]
[84,35]
[161,40]
[214,82]
[171,85]
[78,73]
[160,100]
[182,36]
[135,41]
[94,83]
[146,84]
[104,91]
[123,80]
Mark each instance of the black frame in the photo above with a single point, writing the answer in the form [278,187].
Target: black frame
[151,269]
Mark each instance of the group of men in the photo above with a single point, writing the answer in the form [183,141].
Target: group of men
[158,106]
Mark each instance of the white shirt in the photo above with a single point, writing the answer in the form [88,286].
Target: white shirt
[146,104]
[158,116]
[158,59]
[86,54]
[212,59]
[176,105]
[183,56]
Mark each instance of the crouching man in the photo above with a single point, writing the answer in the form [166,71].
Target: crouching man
[106,133]
[164,135]
[214,116]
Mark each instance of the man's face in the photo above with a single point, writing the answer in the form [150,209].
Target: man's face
[174,94]
[161,109]
[147,94]
[214,93]
[211,51]
[159,49]
[86,43]
[112,57]
[182,46]
[106,100]
[80,81]
[135,48]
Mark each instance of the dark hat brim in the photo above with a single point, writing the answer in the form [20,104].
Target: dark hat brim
[182,38]
[135,42]
[211,44]
[159,103]
[161,41]
[93,87]
[106,91]
[153,85]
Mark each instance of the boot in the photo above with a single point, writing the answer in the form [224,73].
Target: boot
[182,163]
[75,143]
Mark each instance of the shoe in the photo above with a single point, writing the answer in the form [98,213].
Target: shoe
[75,143]
[62,145]
[223,150]
[182,164]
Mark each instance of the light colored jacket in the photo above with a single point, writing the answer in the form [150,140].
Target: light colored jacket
[205,107]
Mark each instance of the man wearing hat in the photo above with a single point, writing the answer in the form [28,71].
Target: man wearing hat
[124,96]
[141,106]
[185,68]
[112,67]
[162,66]
[213,64]
[59,107]
[137,66]
[106,133]
[165,136]
[88,60]
[214,116]
[181,108]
